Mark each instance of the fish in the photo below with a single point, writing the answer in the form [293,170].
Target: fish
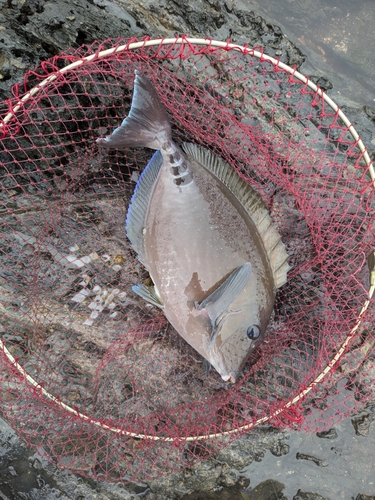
[205,237]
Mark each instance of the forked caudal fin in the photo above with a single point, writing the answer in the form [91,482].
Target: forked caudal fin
[147,124]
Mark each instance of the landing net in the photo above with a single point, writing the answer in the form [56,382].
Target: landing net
[91,372]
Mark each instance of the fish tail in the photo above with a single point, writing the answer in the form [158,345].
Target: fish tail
[147,124]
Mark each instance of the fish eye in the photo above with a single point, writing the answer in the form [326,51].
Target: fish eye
[253,332]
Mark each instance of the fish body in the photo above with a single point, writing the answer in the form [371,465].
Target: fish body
[205,238]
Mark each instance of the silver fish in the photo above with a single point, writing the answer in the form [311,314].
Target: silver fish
[205,237]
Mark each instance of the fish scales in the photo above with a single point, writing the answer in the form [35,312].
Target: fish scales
[190,220]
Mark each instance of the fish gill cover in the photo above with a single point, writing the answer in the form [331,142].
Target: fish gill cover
[91,372]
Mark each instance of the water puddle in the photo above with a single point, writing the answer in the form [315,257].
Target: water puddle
[337,38]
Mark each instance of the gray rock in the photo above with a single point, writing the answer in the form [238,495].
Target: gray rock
[202,477]
[362,422]
[252,447]
[329,434]
[301,495]
[268,490]
[35,30]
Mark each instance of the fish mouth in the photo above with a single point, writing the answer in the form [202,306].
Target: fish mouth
[231,378]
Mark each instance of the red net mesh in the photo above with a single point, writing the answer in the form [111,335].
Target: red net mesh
[91,372]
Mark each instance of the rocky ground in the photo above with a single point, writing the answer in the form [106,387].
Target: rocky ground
[34,30]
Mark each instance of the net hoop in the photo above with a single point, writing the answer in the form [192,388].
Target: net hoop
[276,63]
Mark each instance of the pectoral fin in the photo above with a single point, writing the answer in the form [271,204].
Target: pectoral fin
[149,294]
[219,301]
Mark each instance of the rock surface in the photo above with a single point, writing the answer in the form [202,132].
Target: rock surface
[34,30]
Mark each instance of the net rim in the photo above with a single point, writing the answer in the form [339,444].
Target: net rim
[245,50]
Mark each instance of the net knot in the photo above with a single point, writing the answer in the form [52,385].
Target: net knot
[288,416]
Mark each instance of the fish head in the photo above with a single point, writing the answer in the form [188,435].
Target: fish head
[238,314]
[237,335]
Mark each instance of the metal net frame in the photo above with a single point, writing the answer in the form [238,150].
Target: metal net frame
[94,375]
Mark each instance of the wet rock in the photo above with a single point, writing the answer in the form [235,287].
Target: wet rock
[228,478]
[301,495]
[16,473]
[202,477]
[280,449]
[214,475]
[321,82]
[233,492]
[361,424]
[363,379]
[252,447]
[362,122]
[28,476]
[231,479]
[225,494]
[317,461]
[268,490]
[329,434]
[12,471]
[34,31]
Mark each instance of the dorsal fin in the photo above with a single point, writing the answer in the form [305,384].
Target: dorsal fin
[137,211]
[253,204]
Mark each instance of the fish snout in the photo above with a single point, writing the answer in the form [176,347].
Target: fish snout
[230,377]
